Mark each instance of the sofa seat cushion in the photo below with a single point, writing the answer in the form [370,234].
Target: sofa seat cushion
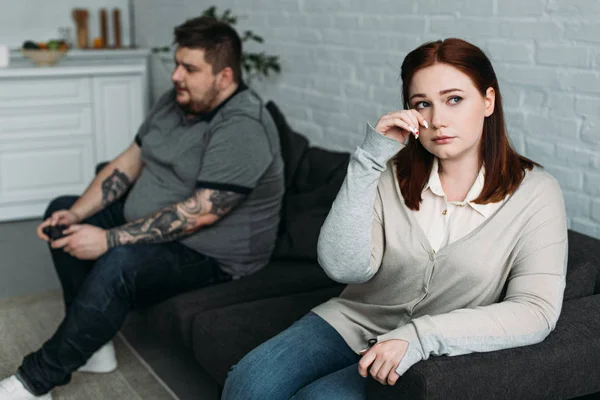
[221,337]
[173,318]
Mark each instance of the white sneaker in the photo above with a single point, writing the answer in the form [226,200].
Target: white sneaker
[12,389]
[102,361]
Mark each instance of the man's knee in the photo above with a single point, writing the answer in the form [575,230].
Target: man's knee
[119,267]
[59,203]
[110,278]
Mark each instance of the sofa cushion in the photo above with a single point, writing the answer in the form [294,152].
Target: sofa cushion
[313,177]
[307,203]
[223,336]
[293,145]
[173,318]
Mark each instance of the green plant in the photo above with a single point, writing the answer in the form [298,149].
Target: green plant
[255,65]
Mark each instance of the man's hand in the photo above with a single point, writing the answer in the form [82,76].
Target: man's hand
[62,217]
[85,242]
[383,358]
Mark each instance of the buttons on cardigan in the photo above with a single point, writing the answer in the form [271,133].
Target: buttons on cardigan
[432,256]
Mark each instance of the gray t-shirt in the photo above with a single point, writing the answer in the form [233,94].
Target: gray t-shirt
[235,148]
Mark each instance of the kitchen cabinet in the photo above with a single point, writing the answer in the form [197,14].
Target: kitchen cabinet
[57,123]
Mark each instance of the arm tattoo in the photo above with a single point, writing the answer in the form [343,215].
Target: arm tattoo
[176,221]
[114,187]
[223,202]
[164,226]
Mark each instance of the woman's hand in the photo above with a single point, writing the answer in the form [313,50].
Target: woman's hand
[399,124]
[383,359]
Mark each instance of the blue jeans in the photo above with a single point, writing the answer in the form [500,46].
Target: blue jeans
[99,294]
[309,360]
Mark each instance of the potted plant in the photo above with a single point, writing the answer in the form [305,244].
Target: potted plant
[254,64]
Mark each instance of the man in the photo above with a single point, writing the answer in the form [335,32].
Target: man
[205,182]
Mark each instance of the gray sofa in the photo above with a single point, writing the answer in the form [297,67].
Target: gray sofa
[220,324]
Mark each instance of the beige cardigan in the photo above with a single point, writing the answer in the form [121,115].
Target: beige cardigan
[498,287]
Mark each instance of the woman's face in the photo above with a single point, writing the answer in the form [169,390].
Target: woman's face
[454,109]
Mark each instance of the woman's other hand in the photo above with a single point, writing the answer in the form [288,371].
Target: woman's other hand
[382,360]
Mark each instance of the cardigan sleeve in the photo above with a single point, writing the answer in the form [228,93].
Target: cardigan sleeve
[350,244]
[530,308]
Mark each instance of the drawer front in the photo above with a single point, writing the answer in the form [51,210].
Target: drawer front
[42,170]
[45,122]
[32,92]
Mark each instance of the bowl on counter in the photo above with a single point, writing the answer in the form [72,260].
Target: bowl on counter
[43,57]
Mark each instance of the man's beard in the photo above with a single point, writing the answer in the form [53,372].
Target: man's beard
[206,104]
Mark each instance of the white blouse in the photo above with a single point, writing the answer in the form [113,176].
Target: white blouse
[444,222]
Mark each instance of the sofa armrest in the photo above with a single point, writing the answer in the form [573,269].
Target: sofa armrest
[585,249]
[565,365]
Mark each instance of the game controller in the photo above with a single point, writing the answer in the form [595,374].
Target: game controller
[55,232]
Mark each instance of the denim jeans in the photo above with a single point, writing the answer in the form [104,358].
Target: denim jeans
[99,294]
[309,360]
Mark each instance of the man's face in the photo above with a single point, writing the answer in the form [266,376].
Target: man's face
[196,85]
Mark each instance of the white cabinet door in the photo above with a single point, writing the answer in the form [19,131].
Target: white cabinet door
[33,173]
[118,113]
[45,151]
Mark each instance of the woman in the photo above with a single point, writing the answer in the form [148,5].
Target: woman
[450,241]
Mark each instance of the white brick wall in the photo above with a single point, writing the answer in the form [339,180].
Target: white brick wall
[341,61]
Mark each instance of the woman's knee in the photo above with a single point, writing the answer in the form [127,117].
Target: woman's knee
[345,384]
[59,203]
[255,377]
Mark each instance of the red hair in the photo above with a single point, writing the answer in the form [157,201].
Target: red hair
[504,167]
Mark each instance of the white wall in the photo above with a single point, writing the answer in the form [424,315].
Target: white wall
[39,20]
[341,62]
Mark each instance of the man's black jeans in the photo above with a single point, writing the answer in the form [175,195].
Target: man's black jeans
[99,294]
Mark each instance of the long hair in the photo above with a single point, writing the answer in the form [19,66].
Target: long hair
[221,44]
[504,167]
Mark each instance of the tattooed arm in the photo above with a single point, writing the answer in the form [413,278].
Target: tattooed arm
[204,208]
[111,183]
